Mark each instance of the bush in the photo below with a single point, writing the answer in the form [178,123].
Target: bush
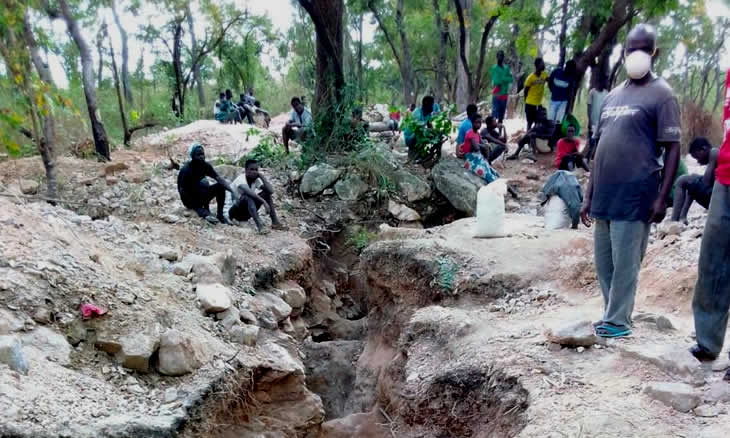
[360,238]
[268,153]
[426,136]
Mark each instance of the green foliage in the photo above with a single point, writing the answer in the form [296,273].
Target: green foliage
[430,132]
[268,153]
[332,131]
[360,238]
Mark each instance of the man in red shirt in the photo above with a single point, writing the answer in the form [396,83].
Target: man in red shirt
[567,156]
[712,292]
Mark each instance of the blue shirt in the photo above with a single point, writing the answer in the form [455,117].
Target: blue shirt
[463,129]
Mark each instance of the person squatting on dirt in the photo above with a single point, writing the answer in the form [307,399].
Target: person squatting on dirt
[299,120]
[628,186]
[542,128]
[568,156]
[690,188]
[196,193]
[254,191]
[712,292]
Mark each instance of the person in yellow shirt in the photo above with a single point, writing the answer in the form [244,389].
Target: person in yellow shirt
[534,91]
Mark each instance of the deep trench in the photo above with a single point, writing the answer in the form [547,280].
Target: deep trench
[487,396]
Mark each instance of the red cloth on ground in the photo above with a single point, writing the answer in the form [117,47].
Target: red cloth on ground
[566,147]
[722,171]
[465,147]
[89,310]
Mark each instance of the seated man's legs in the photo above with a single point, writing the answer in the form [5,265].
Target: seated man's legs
[200,200]
[495,151]
[248,113]
[269,198]
[288,133]
[524,141]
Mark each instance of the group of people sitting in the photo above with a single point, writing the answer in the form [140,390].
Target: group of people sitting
[226,110]
[249,192]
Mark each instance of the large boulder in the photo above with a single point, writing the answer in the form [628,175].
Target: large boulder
[178,354]
[351,187]
[317,178]
[44,343]
[457,184]
[292,294]
[413,187]
[9,323]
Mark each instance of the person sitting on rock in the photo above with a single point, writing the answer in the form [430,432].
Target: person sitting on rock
[496,136]
[254,191]
[568,156]
[221,108]
[233,115]
[248,107]
[300,120]
[196,193]
[695,187]
[465,126]
[542,128]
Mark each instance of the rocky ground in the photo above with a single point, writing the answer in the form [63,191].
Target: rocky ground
[338,327]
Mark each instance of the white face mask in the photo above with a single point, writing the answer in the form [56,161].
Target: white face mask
[637,64]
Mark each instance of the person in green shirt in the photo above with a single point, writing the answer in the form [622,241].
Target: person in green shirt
[501,80]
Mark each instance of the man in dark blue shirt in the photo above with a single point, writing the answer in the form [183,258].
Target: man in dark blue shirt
[561,83]
[629,183]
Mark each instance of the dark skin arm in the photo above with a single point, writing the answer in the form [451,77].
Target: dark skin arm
[494,140]
[709,177]
[255,196]
[671,163]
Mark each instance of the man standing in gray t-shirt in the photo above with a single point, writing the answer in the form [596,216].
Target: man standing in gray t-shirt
[628,190]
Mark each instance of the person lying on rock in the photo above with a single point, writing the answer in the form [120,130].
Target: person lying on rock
[496,136]
[478,156]
[299,120]
[196,193]
[695,187]
[542,128]
[568,156]
[254,191]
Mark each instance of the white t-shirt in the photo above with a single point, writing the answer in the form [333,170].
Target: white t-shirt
[241,181]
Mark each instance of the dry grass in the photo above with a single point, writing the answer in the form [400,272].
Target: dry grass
[698,122]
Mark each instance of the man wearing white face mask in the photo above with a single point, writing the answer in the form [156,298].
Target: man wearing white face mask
[629,185]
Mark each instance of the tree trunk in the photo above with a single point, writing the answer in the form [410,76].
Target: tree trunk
[360,83]
[178,98]
[100,54]
[101,141]
[563,32]
[603,66]
[47,144]
[407,67]
[117,86]
[125,55]
[442,27]
[197,77]
[464,84]
[327,18]
[621,13]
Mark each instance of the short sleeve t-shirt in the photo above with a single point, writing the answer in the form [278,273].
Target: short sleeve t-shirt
[466,146]
[463,129]
[628,161]
[304,119]
[595,100]
[566,147]
[536,85]
[241,182]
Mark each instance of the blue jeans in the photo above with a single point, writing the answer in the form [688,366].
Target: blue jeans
[557,109]
[619,249]
[712,292]
[499,107]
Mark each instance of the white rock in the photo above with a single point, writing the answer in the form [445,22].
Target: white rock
[280,309]
[166,253]
[679,396]
[178,354]
[402,212]
[45,343]
[170,218]
[9,323]
[245,334]
[29,187]
[136,351]
[707,411]
[580,334]
[292,294]
[214,297]
[170,396]
[11,354]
